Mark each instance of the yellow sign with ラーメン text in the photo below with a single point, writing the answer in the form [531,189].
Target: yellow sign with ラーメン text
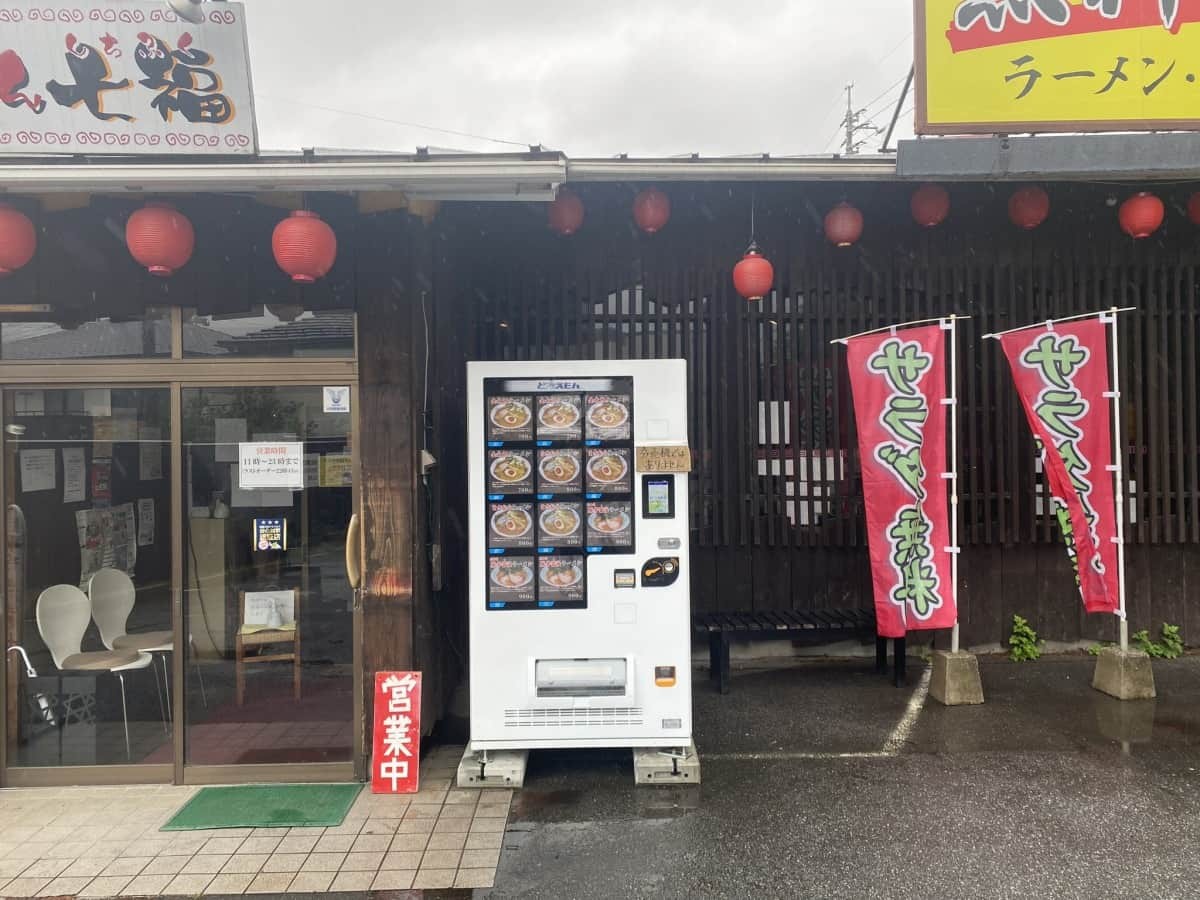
[1005,66]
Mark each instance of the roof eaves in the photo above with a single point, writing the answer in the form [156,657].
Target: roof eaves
[755,168]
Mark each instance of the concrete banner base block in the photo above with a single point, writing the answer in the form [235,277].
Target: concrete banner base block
[492,768]
[955,678]
[1124,674]
[655,765]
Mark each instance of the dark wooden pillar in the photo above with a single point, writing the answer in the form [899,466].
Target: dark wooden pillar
[391,367]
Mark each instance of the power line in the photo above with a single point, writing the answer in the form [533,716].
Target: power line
[899,81]
[902,42]
[418,125]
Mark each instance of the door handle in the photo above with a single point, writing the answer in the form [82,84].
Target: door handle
[353,556]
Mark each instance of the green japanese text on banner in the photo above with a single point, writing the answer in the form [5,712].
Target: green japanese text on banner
[1061,374]
[899,384]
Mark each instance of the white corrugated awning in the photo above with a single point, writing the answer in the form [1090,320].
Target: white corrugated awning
[750,168]
[507,177]
[518,176]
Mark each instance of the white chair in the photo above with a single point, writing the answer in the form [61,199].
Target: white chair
[63,613]
[112,596]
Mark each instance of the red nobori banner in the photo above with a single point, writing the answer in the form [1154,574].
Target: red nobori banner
[899,383]
[1061,374]
[397,733]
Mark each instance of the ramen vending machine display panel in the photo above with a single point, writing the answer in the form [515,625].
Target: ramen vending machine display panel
[579,591]
[559,467]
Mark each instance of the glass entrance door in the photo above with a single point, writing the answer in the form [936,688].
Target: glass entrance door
[268,494]
[87,579]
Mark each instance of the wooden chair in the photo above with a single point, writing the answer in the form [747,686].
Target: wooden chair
[267,638]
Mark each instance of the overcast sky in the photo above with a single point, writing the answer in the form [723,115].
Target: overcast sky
[595,78]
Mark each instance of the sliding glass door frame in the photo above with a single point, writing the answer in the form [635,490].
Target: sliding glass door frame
[175,375]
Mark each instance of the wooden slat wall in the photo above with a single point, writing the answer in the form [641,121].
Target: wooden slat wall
[610,292]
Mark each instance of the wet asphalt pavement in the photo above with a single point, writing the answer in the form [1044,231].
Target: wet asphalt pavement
[1050,789]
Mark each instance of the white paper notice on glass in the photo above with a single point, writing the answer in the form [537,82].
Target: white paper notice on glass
[97,402]
[271,464]
[337,399]
[74,475]
[29,403]
[150,454]
[145,515]
[37,470]
[227,434]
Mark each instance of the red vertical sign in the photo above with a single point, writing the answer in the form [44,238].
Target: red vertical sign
[397,733]
[899,383]
[1061,374]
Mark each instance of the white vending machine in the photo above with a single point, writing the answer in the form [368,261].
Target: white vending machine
[579,591]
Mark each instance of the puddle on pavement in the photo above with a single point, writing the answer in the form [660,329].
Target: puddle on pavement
[528,802]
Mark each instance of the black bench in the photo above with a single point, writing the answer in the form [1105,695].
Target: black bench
[791,625]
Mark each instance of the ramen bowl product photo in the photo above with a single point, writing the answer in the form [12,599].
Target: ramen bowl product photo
[510,418]
[559,417]
[607,417]
[609,524]
[510,525]
[511,580]
[560,471]
[608,470]
[510,471]
[561,579]
[560,524]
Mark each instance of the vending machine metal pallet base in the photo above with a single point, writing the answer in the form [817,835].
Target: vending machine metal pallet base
[656,765]
[492,768]
[506,768]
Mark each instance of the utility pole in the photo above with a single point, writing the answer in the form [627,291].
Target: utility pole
[855,125]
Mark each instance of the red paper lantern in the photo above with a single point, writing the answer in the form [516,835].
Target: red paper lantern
[930,204]
[18,240]
[305,247]
[1141,215]
[651,210]
[1029,207]
[843,225]
[753,276]
[160,238]
[565,212]
[1194,208]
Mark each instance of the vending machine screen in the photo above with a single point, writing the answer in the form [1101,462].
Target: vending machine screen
[559,474]
[658,496]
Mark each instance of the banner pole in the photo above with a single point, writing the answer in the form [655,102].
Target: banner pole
[954,477]
[1119,475]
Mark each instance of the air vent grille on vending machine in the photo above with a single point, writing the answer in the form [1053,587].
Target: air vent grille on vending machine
[571,717]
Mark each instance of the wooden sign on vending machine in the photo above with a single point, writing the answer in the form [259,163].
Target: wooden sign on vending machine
[397,733]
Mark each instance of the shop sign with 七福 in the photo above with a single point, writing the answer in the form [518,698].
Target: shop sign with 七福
[98,77]
[1001,66]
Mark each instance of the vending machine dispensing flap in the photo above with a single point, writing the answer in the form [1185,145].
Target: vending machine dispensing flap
[580,677]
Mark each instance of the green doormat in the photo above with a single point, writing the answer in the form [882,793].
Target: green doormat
[265,806]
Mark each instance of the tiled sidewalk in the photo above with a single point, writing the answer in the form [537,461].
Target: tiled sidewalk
[105,842]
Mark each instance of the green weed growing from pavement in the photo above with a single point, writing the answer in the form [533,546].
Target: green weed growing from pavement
[1170,647]
[1023,643]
